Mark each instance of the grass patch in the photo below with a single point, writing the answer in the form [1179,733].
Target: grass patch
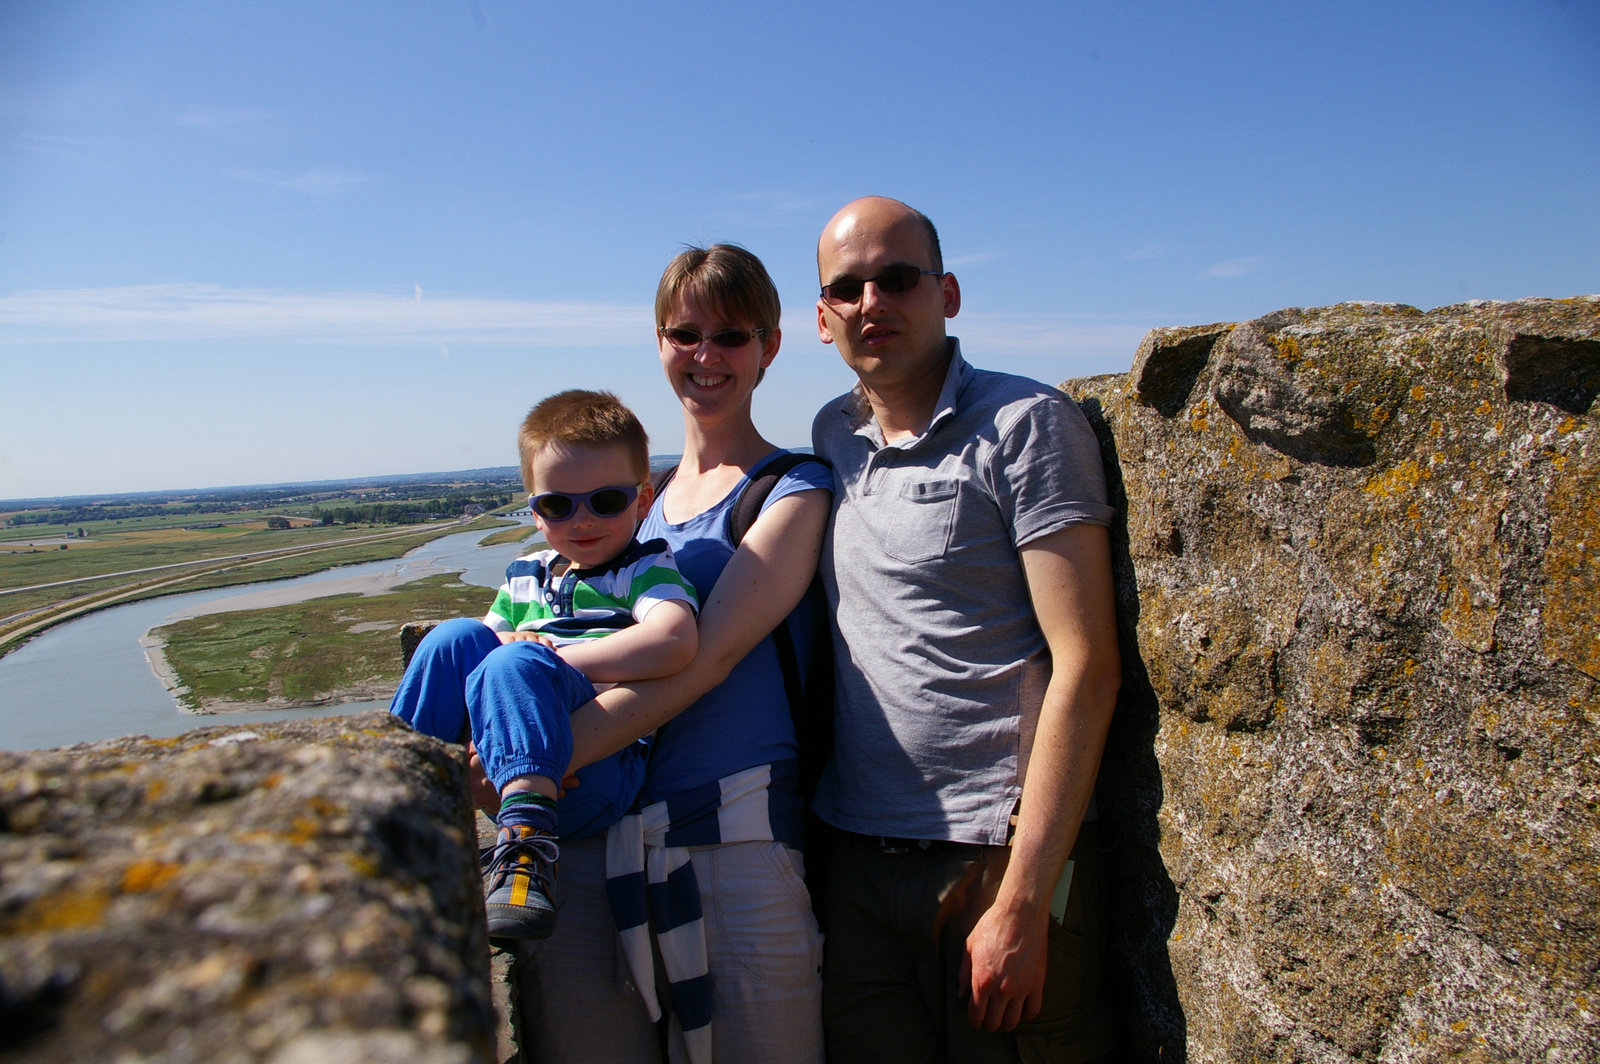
[509,535]
[122,551]
[325,650]
[16,609]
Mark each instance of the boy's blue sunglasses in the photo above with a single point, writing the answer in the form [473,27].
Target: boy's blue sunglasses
[602,502]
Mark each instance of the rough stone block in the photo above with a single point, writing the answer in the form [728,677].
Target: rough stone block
[287,893]
[1355,769]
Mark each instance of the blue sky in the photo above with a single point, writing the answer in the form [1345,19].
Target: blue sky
[291,241]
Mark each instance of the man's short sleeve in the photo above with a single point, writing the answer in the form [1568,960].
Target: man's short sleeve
[1046,471]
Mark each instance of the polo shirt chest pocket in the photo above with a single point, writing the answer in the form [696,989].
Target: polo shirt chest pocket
[919,519]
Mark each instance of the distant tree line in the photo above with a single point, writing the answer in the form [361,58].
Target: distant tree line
[400,498]
[409,512]
[82,514]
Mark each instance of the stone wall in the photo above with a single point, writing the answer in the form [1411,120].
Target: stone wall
[1356,763]
[293,893]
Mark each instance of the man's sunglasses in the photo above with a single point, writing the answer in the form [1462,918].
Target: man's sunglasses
[893,281]
[602,502]
[689,340]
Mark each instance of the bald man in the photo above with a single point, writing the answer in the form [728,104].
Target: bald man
[968,570]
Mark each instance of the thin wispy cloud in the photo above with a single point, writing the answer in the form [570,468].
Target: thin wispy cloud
[235,125]
[1236,267]
[1150,249]
[224,117]
[1046,334]
[776,201]
[77,149]
[311,182]
[975,257]
[214,312]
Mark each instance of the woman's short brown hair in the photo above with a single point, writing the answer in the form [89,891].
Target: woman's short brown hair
[725,278]
[583,419]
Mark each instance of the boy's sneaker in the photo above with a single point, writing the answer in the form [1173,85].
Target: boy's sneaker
[521,879]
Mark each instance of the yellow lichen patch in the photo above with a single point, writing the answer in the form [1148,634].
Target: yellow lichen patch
[361,864]
[1288,347]
[257,837]
[1567,425]
[154,790]
[143,876]
[1418,394]
[1572,570]
[1485,408]
[59,912]
[1397,481]
[303,830]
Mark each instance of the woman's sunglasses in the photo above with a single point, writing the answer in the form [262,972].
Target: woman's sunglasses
[893,281]
[689,340]
[602,502]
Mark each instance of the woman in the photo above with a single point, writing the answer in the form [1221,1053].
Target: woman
[724,750]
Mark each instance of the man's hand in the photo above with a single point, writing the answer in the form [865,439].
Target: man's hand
[1069,580]
[525,637]
[1003,968]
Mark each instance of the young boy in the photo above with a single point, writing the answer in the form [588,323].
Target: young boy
[598,606]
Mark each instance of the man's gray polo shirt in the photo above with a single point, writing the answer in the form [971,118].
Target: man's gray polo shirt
[941,666]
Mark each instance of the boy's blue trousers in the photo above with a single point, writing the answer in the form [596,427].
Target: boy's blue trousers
[517,699]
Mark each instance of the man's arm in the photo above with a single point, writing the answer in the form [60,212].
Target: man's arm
[1069,580]
[660,645]
[763,581]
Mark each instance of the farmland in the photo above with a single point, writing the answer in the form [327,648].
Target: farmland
[62,558]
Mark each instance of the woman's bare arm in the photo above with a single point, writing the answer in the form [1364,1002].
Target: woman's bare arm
[763,581]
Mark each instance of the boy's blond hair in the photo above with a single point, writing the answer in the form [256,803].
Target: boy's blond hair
[583,419]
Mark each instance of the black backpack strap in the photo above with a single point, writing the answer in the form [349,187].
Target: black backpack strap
[813,729]
[754,496]
[659,479]
[746,508]
[745,511]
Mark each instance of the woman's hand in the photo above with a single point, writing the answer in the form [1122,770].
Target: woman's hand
[483,792]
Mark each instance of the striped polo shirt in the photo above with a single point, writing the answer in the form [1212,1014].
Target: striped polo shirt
[543,593]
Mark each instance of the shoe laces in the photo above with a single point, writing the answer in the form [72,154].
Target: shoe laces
[506,858]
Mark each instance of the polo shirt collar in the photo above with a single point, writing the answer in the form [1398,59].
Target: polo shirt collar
[858,411]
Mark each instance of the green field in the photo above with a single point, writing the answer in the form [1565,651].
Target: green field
[331,649]
[128,566]
[509,535]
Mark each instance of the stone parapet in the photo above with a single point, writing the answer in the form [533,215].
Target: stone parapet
[289,893]
[1355,769]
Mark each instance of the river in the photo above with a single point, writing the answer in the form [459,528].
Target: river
[89,679]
